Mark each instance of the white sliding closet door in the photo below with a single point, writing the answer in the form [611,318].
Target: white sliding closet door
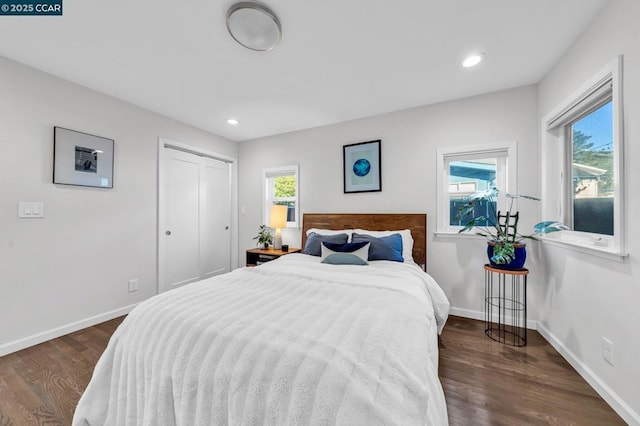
[215,208]
[195,213]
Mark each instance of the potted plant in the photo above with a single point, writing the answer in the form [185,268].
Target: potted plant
[264,236]
[505,246]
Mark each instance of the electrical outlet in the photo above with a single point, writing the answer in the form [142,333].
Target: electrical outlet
[133,285]
[607,350]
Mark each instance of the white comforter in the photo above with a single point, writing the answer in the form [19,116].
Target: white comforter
[291,342]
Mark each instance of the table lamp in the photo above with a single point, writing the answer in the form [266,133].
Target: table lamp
[277,221]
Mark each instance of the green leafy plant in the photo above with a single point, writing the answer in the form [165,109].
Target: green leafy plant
[500,228]
[264,236]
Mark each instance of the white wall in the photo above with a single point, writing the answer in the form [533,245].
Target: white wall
[586,297]
[75,263]
[410,139]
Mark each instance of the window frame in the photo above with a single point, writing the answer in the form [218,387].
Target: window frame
[267,192]
[506,184]
[557,197]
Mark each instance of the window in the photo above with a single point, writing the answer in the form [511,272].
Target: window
[582,164]
[590,143]
[463,171]
[281,188]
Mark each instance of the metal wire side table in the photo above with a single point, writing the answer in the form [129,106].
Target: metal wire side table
[505,296]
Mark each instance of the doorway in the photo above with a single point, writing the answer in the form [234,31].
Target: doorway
[195,211]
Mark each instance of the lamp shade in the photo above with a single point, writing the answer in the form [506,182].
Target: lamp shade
[278,217]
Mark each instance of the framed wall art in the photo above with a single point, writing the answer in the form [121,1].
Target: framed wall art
[82,159]
[362,167]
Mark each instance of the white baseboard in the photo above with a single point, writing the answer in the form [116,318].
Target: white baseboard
[35,339]
[479,315]
[613,399]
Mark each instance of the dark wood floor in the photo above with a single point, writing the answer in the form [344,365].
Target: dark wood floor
[488,383]
[41,385]
[485,382]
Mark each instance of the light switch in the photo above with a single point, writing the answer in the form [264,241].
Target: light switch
[30,210]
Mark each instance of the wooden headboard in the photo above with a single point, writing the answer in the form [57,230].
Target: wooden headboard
[417,223]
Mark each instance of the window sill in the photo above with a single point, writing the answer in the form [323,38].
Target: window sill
[564,240]
[457,235]
[583,245]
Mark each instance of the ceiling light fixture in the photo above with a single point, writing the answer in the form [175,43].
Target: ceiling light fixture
[232,121]
[254,26]
[473,60]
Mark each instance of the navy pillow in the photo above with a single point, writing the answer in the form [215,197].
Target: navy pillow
[382,248]
[344,248]
[314,242]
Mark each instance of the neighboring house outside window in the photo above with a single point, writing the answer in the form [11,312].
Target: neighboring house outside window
[465,170]
[281,187]
[582,164]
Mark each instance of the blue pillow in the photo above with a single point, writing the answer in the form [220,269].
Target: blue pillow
[344,248]
[382,248]
[344,259]
[314,242]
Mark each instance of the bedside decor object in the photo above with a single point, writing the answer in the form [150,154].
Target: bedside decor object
[277,221]
[82,159]
[361,167]
[285,248]
[505,248]
[264,236]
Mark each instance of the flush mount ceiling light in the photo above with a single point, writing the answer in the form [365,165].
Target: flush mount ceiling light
[254,26]
[232,121]
[473,60]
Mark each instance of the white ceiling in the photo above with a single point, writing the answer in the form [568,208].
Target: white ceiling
[338,60]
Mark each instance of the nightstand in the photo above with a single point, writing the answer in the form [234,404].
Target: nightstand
[258,256]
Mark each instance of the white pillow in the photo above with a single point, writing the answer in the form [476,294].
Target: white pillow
[407,240]
[320,231]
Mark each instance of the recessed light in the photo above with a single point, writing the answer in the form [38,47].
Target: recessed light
[232,121]
[473,60]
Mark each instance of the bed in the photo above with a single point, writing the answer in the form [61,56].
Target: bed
[293,341]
